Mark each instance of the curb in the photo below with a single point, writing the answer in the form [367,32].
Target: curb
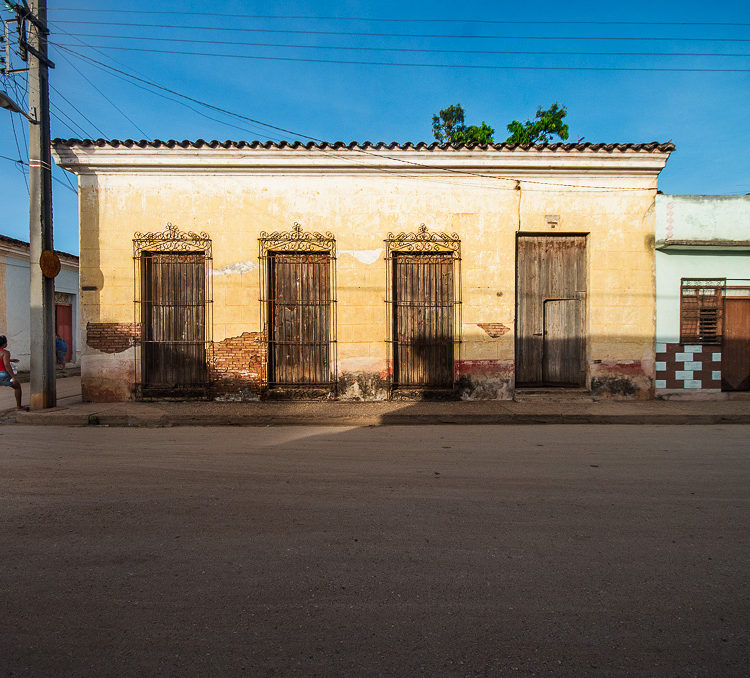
[161,419]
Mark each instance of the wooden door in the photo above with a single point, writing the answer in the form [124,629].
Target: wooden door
[299,341]
[173,322]
[423,320]
[64,326]
[550,310]
[735,350]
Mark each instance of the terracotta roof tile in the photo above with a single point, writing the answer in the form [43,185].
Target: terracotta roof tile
[653,146]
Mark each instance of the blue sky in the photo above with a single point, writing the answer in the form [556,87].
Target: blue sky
[703,112]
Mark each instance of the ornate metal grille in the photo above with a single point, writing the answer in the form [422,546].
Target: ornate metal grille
[702,310]
[172,290]
[423,282]
[298,308]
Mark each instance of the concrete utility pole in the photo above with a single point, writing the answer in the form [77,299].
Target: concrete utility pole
[44,263]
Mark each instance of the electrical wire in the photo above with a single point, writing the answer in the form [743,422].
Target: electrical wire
[56,112]
[114,105]
[83,115]
[289,31]
[394,20]
[12,83]
[21,162]
[423,65]
[514,180]
[413,50]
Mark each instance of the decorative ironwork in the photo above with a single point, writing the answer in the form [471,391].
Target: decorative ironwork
[173,309]
[422,244]
[297,240]
[298,281]
[702,310]
[423,241]
[172,239]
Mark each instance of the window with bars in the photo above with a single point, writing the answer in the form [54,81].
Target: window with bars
[702,310]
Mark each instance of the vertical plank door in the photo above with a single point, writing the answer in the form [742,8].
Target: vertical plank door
[550,310]
[423,320]
[174,321]
[735,350]
[300,319]
[64,326]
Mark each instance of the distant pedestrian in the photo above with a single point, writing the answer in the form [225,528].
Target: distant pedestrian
[7,375]
[61,349]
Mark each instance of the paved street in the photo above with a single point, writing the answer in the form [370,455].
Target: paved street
[393,551]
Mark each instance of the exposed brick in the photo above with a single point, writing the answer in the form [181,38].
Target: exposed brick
[111,337]
[237,363]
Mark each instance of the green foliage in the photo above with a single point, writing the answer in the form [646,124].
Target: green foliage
[449,126]
[548,122]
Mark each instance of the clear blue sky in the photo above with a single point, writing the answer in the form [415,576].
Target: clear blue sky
[704,113]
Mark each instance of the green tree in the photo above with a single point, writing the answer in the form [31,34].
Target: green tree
[448,126]
[547,123]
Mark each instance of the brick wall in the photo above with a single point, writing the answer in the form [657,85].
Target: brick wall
[111,337]
[238,362]
[688,366]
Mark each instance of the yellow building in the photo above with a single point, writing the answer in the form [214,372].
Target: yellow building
[241,270]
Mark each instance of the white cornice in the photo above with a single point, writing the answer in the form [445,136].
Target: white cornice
[283,161]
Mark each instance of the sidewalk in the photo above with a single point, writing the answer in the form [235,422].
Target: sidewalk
[72,412]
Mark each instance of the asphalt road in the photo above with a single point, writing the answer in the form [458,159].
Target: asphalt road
[392,551]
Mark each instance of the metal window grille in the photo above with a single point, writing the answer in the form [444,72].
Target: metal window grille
[702,310]
[423,282]
[298,308]
[173,313]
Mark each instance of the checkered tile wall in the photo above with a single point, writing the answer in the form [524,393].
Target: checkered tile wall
[688,366]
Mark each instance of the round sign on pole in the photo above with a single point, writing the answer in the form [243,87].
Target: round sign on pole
[49,262]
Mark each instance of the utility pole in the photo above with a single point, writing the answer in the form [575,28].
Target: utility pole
[44,264]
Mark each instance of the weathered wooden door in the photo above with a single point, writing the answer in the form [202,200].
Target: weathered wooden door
[299,326]
[735,350]
[550,310]
[423,320]
[173,331]
[64,326]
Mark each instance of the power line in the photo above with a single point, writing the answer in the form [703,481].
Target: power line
[21,162]
[400,35]
[70,120]
[503,67]
[12,82]
[114,105]
[85,117]
[394,20]
[185,96]
[356,150]
[175,100]
[403,49]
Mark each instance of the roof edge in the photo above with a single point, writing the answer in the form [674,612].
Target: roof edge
[650,147]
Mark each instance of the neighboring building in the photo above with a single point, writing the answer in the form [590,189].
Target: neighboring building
[14,301]
[703,294]
[370,271]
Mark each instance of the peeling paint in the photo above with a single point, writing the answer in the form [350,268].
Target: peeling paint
[239,267]
[364,256]
[363,386]
[494,330]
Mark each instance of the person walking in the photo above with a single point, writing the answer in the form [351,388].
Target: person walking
[7,375]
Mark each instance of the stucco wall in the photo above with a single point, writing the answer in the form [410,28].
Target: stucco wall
[16,299]
[712,236]
[703,217]
[360,211]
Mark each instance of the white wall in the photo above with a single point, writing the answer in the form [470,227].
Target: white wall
[703,217]
[672,265]
[17,282]
[17,310]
